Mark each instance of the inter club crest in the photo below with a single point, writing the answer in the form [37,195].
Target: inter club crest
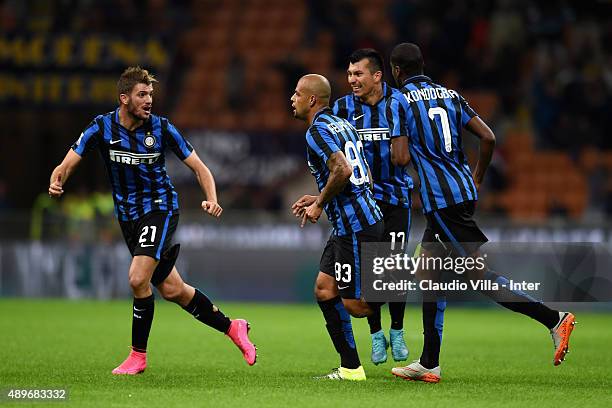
[149,140]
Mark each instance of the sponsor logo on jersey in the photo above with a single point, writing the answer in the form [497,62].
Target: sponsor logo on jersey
[374,134]
[133,159]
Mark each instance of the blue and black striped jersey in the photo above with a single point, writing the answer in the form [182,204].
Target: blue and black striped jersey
[433,118]
[354,208]
[135,161]
[392,184]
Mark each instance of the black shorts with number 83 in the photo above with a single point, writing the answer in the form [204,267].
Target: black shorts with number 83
[341,259]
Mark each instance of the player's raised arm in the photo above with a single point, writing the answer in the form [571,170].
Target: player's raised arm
[487,144]
[62,172]
[207,184]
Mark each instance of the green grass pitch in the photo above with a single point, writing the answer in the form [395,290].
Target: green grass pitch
[490,357]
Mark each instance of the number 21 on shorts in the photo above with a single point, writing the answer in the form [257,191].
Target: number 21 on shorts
[146,237]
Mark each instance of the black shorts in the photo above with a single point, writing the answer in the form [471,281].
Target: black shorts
[397,224]
[341,259]
[453,230]
[151,235]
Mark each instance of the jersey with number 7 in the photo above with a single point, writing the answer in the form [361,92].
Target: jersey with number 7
[354,208]
[433,118]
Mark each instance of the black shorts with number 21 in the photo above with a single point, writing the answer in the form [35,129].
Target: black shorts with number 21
[151,235]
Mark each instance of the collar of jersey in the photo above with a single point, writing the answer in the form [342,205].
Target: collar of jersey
[327,110]
[416,78]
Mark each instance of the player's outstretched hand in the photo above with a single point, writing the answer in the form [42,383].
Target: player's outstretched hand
[300,205]
[212,208]
[311,213]
[55,188]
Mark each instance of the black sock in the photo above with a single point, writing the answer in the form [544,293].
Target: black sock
[520,302]
[338,323]
[433,322]
[142,318]
[396,311]
[374,318]
[202,309]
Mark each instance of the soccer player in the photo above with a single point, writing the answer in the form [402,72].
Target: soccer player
[132,142]
[432,117]
[336,160]
[364,108]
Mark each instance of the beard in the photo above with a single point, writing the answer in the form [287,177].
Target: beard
[135,112]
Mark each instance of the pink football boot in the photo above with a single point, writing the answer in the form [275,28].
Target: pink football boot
[239,334]
[134,364]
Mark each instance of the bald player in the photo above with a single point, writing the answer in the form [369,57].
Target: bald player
[336,160]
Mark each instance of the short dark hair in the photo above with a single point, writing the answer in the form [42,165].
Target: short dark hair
[408,58]
[132,76]
[375,60]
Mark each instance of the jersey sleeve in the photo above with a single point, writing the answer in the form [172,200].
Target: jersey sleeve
[88,139]
[177,143]
[396,117]
[322,142]
[339,108]
[467,112]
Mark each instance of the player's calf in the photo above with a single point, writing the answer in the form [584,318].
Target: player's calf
[357,308]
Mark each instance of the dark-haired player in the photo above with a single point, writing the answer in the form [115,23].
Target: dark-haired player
[132,142]
[336,160]
[364,108]
[433,116]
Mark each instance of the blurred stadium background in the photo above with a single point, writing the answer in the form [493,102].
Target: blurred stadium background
[540,73]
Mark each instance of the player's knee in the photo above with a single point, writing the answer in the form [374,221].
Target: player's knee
[138,282]
[358,309]
[321,293]
[172,293]
[324,290]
